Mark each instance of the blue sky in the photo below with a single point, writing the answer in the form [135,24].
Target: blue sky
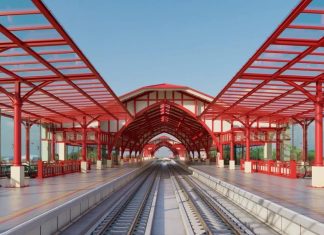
[201,44]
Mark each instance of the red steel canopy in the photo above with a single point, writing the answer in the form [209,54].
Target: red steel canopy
[56,81]
[282,80]
[166,117]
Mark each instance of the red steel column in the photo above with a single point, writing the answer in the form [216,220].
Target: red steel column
[305,148]
[27,141]
[99,145]
[221,152]
[247,143]
[278,145]
[232,146]
[53,146]
[318,161]
[17,104]
[84,139]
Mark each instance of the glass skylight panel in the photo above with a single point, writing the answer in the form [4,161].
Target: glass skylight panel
[317,67]
[52,48]
[16,58]
[261,71]
[301,73]
[283,56]
[23,20]
[60,56]
[26,35]
[277,47]
[319,58]
[269,64]
[302,34]
[12,51]
[35,73]
[309,19]
[75,71]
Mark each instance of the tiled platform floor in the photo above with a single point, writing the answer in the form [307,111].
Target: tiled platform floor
[295,194]
[21,204]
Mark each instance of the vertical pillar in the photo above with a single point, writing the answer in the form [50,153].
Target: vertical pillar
[27,139]
[84,163]
[121,161]
[247,143]
[278,150]
[17,129]
[318,168]
[247,163]
[305,148]
[99,161]
[199,156]
[232,149]
[109,157]
[84,144]
[53,145]
[220,162]
[17,174]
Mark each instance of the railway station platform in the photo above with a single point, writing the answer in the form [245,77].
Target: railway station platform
[21,204]
[295,194]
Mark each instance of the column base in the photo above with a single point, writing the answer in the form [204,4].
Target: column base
[99,164]
[220,163]
[84,167]
[318,176]
[248,167]
[232,165]
[109,163]
[17,177]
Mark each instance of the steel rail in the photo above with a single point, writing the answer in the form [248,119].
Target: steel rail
[188,214]
[139,213]
[234,224]
[103,227]
[191,200]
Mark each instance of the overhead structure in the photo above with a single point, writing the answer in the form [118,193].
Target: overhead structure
[283,80]
[45,77]
[177,149]
[42,69]
[165,108]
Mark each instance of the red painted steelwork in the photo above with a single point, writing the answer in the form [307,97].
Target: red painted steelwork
[17,125]
[284,169]
[318,161]
[58,82]
[46,170]
[278,81]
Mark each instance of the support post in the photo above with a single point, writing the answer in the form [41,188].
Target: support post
[318,168]
[53,145]
[27,139]
[247,163]
[220,159]
[84,163]
[305,125]
[278,151]
[232,149]
[17,173]
[99,161]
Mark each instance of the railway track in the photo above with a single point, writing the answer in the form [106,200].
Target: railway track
[131,214]
[139,208]
[214,218]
